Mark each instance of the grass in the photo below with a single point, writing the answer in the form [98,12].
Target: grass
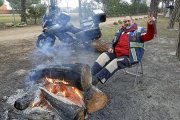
[108,32]
[162,31]
[8,18]
[7,21]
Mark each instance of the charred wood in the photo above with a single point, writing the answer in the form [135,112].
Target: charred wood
[23,102]
[65,109]
[14,114]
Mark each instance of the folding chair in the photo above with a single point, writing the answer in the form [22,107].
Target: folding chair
[135,70]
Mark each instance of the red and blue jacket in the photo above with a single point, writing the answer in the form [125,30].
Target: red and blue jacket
[130,42]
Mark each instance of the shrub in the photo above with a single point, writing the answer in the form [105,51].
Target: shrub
[9,24]
[136,18]
[120,21]
[21,24]
[115,23]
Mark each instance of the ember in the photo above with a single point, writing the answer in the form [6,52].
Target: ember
[63,88]
[40,101]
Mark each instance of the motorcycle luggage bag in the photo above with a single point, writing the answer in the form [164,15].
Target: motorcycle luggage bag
[89,34]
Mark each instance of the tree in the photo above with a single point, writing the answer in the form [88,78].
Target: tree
[174,14]
[154,7]
[178,47]
[1,2]
[23,11]
[22,5]
[36,11]
[136,3]
[15,4]
[30,2]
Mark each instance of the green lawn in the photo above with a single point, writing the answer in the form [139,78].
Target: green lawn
[8,18]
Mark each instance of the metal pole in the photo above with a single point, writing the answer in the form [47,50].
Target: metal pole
[80,11]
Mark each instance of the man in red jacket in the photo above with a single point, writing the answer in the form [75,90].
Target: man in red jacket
[127,49]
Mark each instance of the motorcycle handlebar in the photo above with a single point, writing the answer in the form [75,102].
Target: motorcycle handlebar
[53,28]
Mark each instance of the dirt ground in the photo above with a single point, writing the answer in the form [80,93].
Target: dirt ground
[155,97]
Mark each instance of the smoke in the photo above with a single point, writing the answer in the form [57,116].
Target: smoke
[64,51]
[67,52]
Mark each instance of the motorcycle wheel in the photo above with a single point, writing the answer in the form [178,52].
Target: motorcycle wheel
[45,41]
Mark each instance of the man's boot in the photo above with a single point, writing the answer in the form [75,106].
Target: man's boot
[95,80]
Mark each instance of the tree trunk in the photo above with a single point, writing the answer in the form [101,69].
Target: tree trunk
[154,7]
[23,11]
[166,2]
[178,47]
[174,15]
[35,20]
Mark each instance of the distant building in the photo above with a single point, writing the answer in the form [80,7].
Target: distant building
[4,10]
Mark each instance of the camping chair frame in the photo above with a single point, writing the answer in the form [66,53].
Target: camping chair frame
[138,71]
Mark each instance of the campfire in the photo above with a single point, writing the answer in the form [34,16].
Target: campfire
[65,90]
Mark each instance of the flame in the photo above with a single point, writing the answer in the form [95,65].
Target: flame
[51,80]
[59,88]
[40,101]
[63,88]
[77,92]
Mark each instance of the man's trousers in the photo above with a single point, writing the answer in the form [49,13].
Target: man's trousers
[107,64]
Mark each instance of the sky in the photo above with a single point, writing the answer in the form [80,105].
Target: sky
[65,3]
[127,1]
[8,7]
[74,3]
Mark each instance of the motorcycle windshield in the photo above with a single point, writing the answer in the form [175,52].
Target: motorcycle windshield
[80,10]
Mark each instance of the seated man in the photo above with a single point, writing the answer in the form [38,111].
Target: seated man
[127,49]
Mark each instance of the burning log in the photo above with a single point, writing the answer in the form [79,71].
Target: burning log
[66,109]
[78,74]
[86,78]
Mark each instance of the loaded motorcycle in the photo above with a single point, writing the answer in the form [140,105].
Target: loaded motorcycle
[57,25]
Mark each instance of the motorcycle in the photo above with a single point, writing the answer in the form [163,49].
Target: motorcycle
[56,25]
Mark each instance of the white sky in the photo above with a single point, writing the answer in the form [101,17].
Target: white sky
[74,3]
[7,3]
[65,3]
[127,1]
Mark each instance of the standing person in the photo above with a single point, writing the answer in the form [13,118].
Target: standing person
[127,49]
